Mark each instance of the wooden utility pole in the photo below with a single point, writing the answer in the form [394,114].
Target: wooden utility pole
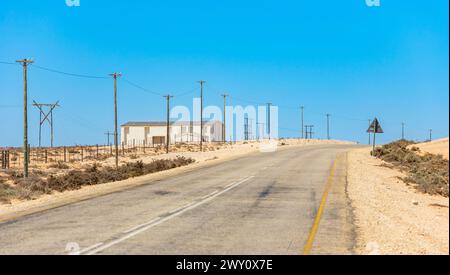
[302,108]
[224,117]
[201,114]
[403,131]
[116,134]
[168,97]
[108,134]
[268,118]
[328,126]
[25,63]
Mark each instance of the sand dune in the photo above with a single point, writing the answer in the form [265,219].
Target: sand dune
[438,147]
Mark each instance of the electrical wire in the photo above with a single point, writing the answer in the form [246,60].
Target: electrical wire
[8,63]
[141,88]
[69,74]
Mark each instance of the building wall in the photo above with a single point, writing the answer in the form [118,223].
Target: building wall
[139,135]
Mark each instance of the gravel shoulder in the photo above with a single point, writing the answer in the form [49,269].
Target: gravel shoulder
[391,217]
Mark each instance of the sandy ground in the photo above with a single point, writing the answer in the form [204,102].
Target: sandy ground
[438,147]
[19,208]
[391,217]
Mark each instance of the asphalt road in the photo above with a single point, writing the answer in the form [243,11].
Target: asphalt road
[287,202]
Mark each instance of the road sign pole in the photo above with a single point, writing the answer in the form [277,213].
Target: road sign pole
[374,135]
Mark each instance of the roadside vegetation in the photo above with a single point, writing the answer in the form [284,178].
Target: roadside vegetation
[427,172]
[39,183]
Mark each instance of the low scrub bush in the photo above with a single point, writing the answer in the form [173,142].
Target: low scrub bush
[428,172]
[96,175]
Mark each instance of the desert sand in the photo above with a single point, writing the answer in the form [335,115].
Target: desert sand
[438,147]
[391,217]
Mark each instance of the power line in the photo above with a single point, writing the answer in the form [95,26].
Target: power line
[7,63]
[69,74]
[141,88]
[186,93]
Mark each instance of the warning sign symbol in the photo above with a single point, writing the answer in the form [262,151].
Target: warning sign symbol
[375,127]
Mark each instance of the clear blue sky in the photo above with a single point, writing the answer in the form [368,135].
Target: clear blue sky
[332,56]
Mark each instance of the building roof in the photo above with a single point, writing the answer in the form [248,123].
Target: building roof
[162,123]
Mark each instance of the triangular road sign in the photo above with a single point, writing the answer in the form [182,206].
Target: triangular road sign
[375,127]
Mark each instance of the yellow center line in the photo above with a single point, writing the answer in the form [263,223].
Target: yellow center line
[315,226]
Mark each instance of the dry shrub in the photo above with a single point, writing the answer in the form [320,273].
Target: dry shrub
[59,165]
[96,175]
[31,187]
[429,173]
[6,192]
[133,156]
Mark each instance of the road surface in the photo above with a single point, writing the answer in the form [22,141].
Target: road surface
[292,201]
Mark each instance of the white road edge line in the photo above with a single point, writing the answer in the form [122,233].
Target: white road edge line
[209,195]
[160,221]
[89,248]
[141,225]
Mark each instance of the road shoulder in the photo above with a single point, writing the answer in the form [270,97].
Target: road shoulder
[391,217]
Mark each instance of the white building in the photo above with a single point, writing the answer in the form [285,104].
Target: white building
[154,133]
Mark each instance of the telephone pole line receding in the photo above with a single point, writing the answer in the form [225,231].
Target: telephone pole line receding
[224,117]
[403,131]
[116,134]
[201,114]
[44,116]
[328,126]
[168,97]
[109,134]
[302,108]
[268,119]
[25,63]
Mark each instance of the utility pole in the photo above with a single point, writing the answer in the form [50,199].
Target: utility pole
[168,97]
[431,134]
[44,116]
[259,125]
[246,128]
[224,117]
[25,63]
[302,108]
[116,134]
[370,123]
[309,131]
[201,114]
[268,118]
[328,126]
[403,131]
[109,134]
